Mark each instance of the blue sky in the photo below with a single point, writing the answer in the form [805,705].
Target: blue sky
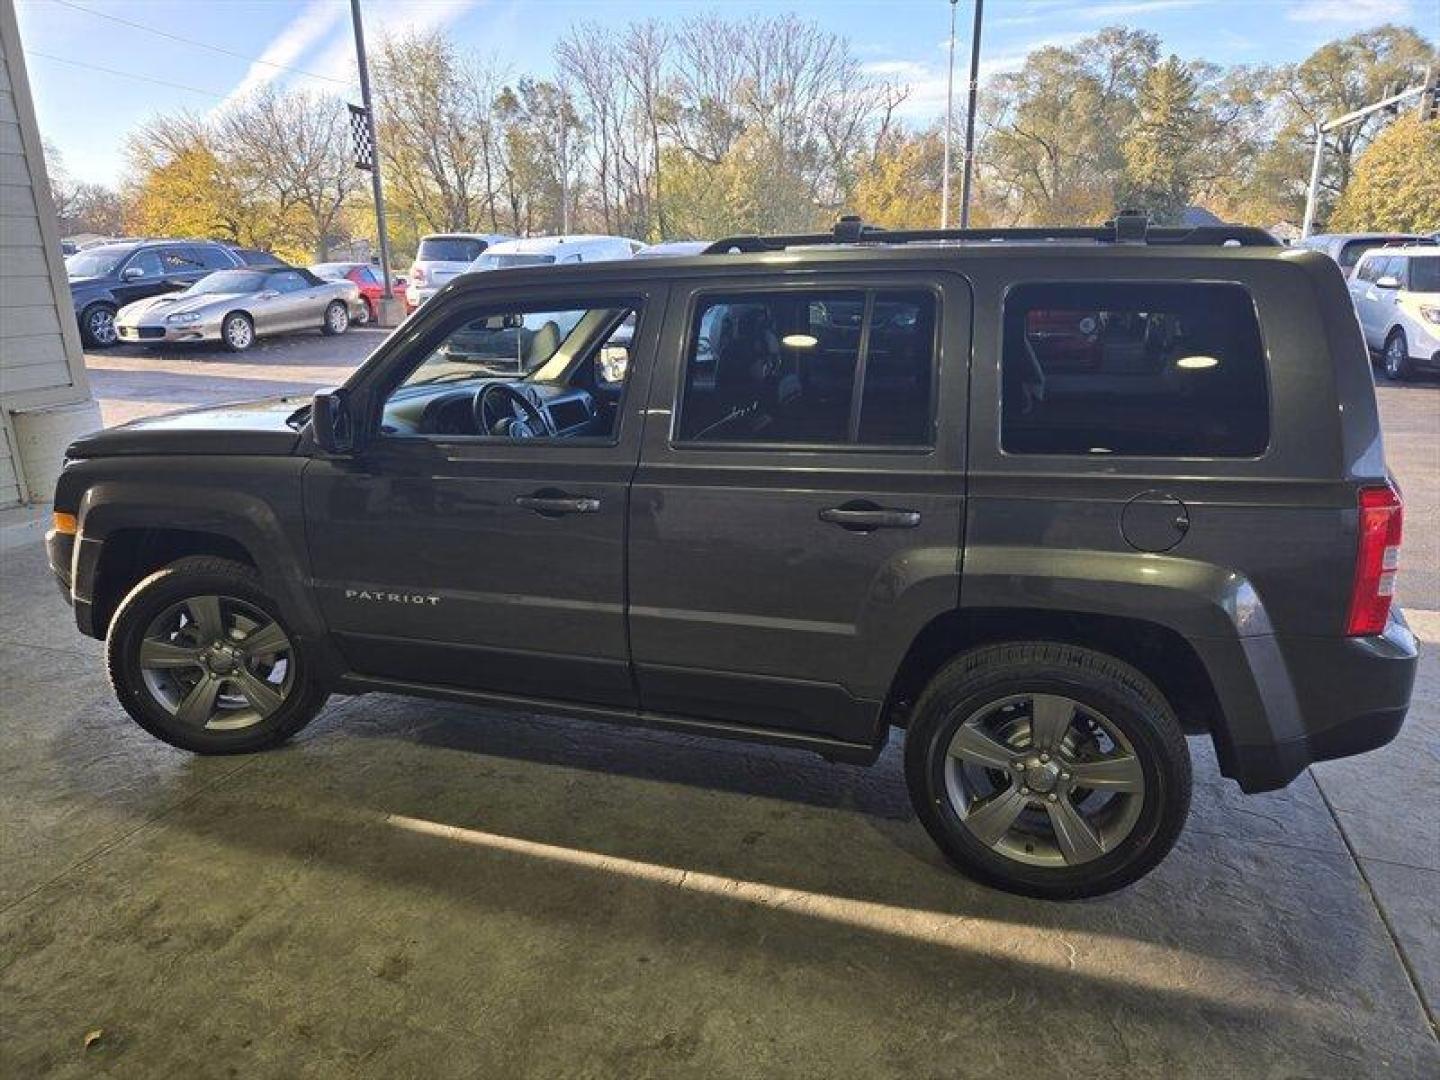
[86,112]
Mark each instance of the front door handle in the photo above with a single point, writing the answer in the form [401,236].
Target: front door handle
[557,504]
[866,518]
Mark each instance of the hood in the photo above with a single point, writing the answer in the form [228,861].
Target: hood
[243,427]
[179,301]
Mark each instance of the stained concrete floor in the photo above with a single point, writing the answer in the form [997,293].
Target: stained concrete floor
[419,889]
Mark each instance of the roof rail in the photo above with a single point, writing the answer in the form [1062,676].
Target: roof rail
[1125,228]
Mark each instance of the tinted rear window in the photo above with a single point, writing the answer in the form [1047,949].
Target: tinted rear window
[449,249]
[1425,274]
[1163,370]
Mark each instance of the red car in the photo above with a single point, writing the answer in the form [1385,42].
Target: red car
[372,285]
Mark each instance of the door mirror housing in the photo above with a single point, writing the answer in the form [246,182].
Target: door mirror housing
[511,321]
[131,273]
[331,422]
[1389,281]
[612,364]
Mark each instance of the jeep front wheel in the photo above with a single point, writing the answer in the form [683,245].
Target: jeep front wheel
[1047,769]
[199,657]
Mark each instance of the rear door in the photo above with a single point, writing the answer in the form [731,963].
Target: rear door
[796,516]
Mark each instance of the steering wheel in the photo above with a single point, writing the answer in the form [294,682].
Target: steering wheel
[529,423]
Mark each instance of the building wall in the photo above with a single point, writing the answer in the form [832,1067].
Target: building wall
[44,394]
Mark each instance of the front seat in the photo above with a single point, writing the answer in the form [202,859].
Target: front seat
[542,345]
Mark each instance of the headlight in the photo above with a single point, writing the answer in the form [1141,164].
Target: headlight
[1430,314]
[183,316]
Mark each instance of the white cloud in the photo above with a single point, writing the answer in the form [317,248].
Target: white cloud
[315,21]
[927,82]
[388,19]
[1348,11]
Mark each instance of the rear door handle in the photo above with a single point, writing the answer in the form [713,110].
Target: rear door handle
[548,505]
[864,519]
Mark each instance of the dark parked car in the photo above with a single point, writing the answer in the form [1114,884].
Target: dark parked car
[104,279]
[1048,501]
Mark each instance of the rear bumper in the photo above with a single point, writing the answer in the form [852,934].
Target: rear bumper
[1289,701]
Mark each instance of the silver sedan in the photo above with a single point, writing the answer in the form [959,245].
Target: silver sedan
[234,307]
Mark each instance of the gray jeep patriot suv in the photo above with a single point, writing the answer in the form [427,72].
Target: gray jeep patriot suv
[1048,500]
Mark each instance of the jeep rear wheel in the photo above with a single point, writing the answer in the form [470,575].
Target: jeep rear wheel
[199,657]
[1047,769]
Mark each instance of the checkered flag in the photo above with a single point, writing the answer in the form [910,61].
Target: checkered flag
[360,136]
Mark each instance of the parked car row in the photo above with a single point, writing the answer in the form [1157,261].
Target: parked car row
[169,290]
[152,291]
[442,257]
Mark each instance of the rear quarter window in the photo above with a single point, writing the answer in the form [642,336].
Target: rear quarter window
[1142,370]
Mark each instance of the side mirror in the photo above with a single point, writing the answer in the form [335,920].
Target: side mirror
[612,364]
[511,321]
[1389,281]
[331,422]
[130,273]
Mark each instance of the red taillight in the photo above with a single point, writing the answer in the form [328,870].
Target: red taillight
[1376,559]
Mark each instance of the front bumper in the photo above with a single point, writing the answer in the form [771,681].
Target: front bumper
[1290,701]
[60,551]
[147,333]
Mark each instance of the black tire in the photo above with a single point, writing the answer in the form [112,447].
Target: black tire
[190,577]
[237,332]
[97,326]
[1396,357]
[337,319]
[1118,691]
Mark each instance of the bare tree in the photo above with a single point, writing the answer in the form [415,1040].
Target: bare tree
[293,150]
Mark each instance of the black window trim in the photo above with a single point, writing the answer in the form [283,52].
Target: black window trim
[869,286]
[1100,461]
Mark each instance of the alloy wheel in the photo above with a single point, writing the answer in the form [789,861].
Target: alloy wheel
[238,333]
[1044,780]
[338,318]
[1395,356]
[101,325]
[217,662]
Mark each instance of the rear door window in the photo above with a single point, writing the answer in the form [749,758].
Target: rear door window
[1143,370]
[811,368]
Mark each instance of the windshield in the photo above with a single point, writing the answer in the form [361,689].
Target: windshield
[459,249]
[500,262]
[97,262]
[228,281]
[1425,274]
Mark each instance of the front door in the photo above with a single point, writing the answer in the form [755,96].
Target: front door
[796,518]
[477,540]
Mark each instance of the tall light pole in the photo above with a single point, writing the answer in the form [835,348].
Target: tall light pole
[390,312]
[969,109]
[949,126]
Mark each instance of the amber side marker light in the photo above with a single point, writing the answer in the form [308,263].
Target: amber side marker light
[65,523]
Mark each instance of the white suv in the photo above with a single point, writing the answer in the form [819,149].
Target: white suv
[1397,296]
[441,257]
